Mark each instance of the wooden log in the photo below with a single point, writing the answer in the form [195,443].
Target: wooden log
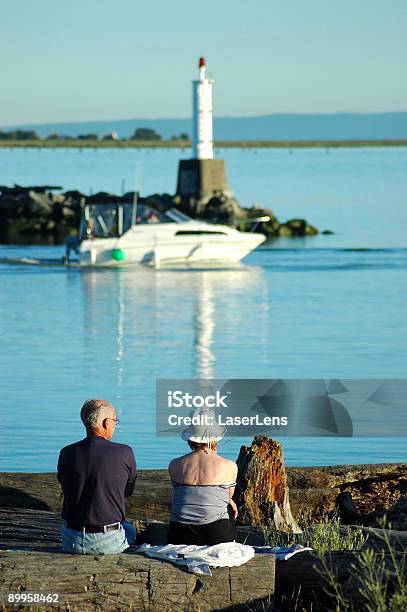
[131,581]
[151,497]
[262,492]
[394,517]
[25,529]
[313,489]
[30,561]
[40,530]
[116,580]
[315,502]
[302,578]
[380,539]
[340,475]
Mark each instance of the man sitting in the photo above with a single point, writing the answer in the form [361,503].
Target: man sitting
[96,475]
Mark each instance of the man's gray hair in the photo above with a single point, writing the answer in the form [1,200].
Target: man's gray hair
[94,411]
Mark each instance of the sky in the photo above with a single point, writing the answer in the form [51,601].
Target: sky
[84,60]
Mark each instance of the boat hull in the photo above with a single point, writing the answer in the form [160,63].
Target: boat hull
[156,251]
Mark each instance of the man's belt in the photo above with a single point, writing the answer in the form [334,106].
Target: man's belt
[94,528]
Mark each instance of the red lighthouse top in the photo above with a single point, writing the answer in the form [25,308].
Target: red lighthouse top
[202,62]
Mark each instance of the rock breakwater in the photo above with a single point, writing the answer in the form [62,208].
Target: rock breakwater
[44,213]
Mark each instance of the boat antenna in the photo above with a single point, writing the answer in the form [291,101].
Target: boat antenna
[137,187]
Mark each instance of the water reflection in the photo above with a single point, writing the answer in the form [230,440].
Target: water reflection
[204,328]
[120,331]
[167,322]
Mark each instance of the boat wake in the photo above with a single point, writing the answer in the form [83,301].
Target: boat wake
[39,262]
[34,261]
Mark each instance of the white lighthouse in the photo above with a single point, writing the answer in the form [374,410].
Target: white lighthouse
[202,177]
[202,103]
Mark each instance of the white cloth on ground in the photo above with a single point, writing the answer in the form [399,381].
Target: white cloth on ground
[282,552]
[199,559]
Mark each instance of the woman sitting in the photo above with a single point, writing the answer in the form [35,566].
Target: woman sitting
[203,512]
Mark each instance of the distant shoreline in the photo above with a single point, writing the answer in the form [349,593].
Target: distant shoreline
[177,144]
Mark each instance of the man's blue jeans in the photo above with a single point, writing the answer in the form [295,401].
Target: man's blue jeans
[109,543]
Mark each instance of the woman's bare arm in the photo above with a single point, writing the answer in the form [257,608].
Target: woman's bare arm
[232,503]
[232,490]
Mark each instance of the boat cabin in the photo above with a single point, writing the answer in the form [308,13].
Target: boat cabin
[112,220]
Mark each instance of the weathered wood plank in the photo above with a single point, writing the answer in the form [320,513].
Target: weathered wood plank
[131,581]
[30,560]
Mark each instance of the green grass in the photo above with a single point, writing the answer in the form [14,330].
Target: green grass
[324,536]
[381,576]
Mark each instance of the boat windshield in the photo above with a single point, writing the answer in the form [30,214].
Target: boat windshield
[112,220]
[148,215]
[177,215]
[106,220]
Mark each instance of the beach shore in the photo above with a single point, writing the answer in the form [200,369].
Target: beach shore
[30,505]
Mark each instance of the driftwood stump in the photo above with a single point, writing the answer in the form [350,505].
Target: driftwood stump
[262,491]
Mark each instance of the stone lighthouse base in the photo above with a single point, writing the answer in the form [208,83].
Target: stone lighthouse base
[201,178]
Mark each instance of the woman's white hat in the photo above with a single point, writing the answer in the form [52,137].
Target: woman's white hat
[204,427]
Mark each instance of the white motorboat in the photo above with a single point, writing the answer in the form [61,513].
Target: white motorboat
[120,233]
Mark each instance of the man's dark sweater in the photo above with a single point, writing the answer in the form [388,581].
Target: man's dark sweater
[96,475]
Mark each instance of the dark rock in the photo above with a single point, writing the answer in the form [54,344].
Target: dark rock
[284,230]
[40,204]
[67,212]
[74,195]
[311,230]
[57,198]
[219,210]
[297,227]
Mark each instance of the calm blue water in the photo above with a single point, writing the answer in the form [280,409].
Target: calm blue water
[359,193]
[326,307]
